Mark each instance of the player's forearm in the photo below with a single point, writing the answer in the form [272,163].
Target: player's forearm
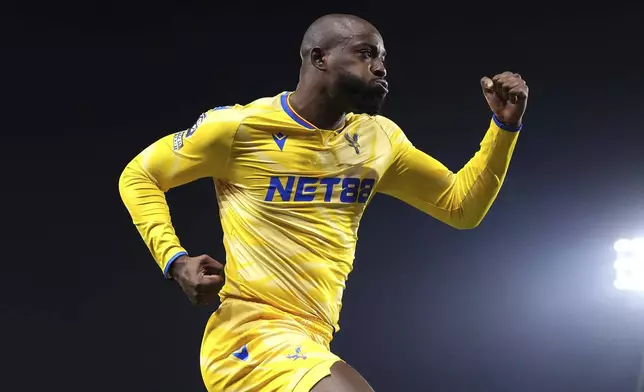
[147,205]
[459,199]
[477,184]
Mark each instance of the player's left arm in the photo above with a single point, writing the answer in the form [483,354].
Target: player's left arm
[461,199]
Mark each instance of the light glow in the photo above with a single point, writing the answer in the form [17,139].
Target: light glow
[629,264]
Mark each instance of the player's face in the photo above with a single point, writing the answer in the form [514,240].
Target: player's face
[357,73]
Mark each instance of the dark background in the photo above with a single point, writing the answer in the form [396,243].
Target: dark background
[523,303]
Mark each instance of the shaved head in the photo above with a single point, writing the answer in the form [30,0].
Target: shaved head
[343,59]
[331,30]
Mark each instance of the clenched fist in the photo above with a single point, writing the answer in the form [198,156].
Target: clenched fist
[200,277]
[507,95]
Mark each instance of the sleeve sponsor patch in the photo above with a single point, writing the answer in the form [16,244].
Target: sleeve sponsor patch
[193,129]
[177,141]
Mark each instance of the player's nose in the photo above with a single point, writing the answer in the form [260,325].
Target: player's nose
[378,68]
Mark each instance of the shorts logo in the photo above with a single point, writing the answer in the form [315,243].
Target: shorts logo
[242,353]
[298,354]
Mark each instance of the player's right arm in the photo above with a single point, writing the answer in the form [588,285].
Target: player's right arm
[174,160]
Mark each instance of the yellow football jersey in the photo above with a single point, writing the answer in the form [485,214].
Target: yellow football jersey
[291,195]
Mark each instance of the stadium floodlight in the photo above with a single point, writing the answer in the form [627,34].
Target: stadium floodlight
[629,264]
[629,269]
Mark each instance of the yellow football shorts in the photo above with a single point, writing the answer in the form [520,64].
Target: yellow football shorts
[251,347]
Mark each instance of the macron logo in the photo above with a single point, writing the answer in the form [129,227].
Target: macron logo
[242,353]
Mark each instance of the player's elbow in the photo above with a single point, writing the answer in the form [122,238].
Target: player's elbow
[465,225]
[464,220]
[132,178]
[125,179]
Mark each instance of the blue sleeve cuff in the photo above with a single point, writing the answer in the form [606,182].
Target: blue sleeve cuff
[167,266]
[504,126]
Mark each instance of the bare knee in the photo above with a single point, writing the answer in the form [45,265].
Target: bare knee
[343,378]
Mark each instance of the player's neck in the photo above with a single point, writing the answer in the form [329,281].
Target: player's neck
[317,108]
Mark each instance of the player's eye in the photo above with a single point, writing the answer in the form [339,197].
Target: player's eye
[366,53]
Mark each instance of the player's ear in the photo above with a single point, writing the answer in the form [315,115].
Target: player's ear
[318,58]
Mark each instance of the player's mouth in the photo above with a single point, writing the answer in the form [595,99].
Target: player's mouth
[382,85]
